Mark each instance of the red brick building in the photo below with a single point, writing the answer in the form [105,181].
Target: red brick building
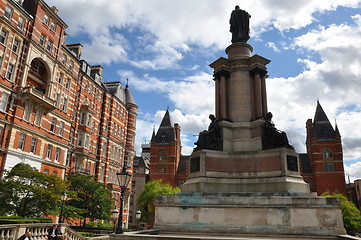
[56,112]
[166,161]
[322,166]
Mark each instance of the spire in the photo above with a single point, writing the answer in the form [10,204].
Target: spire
[153,134]
[337,132]
[322,128]
[128,95]
[165,132]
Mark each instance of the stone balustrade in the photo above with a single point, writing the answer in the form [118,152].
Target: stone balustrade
[40,232]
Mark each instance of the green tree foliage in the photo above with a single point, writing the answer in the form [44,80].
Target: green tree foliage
[26,192]
[90,196]
[351,215]
[152,190]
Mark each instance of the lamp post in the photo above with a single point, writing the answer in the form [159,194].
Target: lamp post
[63,197]
[115,217]
[123,179]
[138,214]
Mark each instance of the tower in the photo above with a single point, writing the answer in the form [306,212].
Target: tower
[322,167]
[165,151]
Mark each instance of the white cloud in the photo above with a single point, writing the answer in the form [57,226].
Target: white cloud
[177,24]
[273,46]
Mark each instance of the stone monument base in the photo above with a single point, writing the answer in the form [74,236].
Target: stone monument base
[273,171]
[250,213]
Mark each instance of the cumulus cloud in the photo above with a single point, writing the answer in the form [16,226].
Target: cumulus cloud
[160,34]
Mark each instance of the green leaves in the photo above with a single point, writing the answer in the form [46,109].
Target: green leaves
[28,193]
[152,190]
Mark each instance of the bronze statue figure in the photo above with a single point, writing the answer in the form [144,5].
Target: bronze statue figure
[239,25]
[210,139]
[272,137]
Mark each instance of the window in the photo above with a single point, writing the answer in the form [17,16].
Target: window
[63,59]
[22,141]
[82,118]
[46,20]
[38,116]
[68,82]
[42,39]
[71,65]
[50,45]
[8,12]
[3,36]
[80,140]
[61,77]
[10,71]
[16,45]
[61,128]
[57,99]
[4,101]
[327,153]
[86,143]
[27,111]
[162,162]
[53,26]
[46,171]
[89,122]
[65,105]
[329,166]
[57,154]
[33,145]
[21,23]
[53,124]
[49,150]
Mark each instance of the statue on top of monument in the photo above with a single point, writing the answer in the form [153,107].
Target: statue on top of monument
[210,139]
[239,25]
[272,137]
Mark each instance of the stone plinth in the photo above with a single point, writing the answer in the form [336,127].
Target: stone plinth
[274,170]
[250,213]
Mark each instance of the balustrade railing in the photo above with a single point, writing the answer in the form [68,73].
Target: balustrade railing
[39,231]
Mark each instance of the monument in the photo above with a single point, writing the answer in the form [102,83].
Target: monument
[244,175]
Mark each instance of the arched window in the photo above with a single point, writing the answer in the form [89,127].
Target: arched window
[162,163]
[327,157]
[46,171]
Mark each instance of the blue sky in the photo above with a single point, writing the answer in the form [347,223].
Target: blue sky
[164,48]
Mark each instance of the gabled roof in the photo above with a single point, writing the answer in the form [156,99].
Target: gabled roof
[322,128]
[165,133]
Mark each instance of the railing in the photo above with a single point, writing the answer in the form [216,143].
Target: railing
[39,231]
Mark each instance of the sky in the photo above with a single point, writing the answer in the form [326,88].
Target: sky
[164,48]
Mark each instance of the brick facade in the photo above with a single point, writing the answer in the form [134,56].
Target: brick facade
[56,112]
[322,166]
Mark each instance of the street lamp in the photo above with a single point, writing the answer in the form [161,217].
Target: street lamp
[115,217]
[123,179]
[138,214]
[63,197]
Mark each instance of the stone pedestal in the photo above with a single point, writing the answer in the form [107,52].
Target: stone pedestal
[252,213]
[272,171]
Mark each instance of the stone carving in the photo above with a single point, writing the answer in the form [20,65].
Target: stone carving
[210,139]
[239,25]
[272,137]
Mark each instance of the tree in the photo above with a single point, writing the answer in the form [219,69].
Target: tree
[152,190]
[351,215]
[26,192]
[91,196]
